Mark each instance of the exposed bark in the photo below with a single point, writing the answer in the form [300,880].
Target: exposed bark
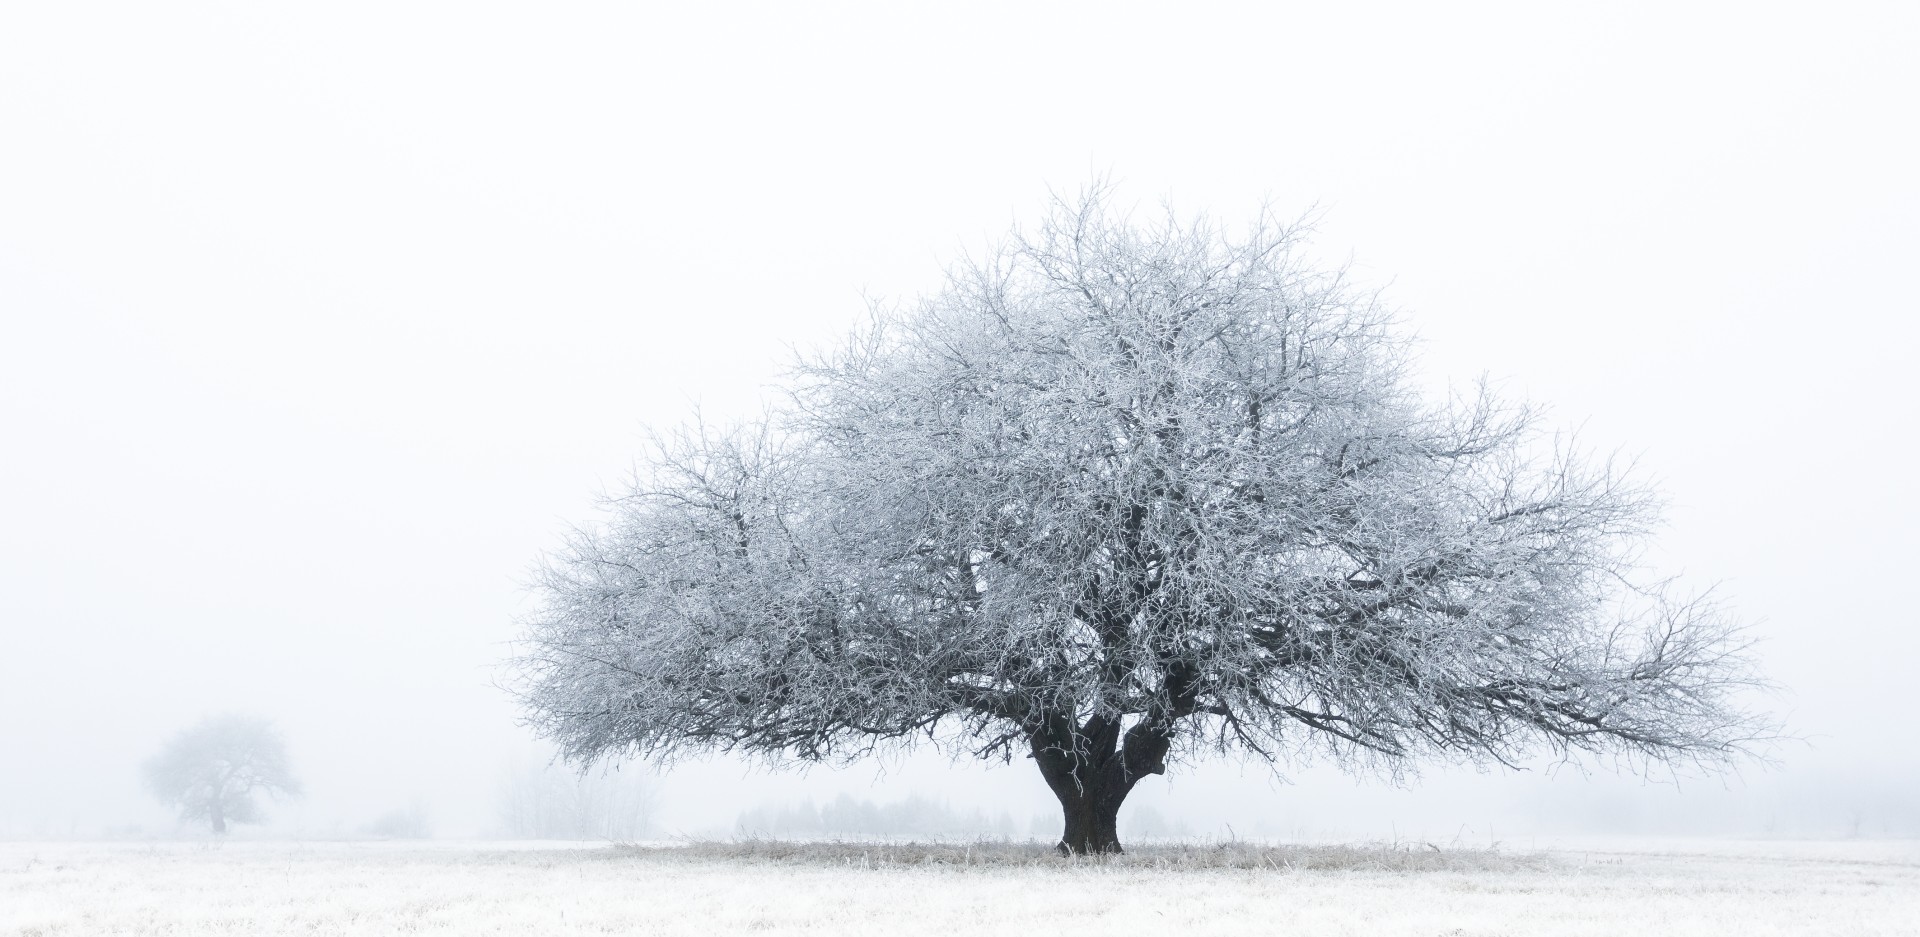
[1092,823]
[1091,771]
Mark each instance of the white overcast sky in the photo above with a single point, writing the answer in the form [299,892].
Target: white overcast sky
[319,321]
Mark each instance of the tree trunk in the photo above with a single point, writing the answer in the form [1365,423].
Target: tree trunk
[1092,824]
[217,815]
[1091,772]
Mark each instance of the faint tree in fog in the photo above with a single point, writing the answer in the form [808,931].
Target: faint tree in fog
[1144,822]
[915,816]
[212,771]
[548,802]
[409,822]
[1123,492]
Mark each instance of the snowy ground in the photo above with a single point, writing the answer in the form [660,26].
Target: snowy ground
[1598,888]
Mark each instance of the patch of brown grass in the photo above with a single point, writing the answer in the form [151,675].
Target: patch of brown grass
[1377,857]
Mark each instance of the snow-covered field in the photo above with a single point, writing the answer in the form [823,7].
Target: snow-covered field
[1598,888]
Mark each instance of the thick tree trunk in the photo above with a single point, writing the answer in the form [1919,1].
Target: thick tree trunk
[1091,773]
[218,816]
[1092,822]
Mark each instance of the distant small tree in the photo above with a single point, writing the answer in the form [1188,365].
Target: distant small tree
[212,771]
[1120,493]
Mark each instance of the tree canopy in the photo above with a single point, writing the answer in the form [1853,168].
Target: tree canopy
[1121,492]
[213,770]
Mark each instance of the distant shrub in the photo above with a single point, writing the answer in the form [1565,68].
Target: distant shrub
[406,823]
[846,816]
[552,802]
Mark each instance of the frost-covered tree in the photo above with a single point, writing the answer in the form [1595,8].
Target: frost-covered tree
[212,771]
[1120,493]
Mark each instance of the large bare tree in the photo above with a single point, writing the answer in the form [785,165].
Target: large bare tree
[1123,492]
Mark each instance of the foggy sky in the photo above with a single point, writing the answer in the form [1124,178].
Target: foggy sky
[319,325]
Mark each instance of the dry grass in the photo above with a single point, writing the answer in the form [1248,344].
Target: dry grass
[1173,857]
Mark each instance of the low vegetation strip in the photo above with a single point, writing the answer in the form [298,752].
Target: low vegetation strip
[1379,857]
